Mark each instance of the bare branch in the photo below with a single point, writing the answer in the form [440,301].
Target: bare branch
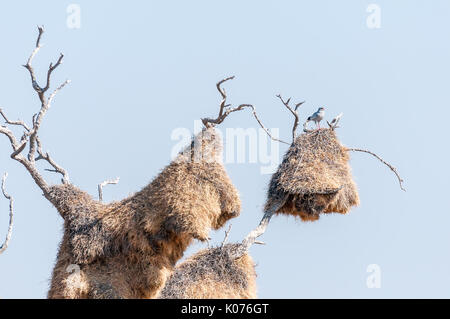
[59,88]
[104,183]
[11,214]
[37,120]
[56,167]
[400,180]
[334,123]
[51,68]
[258,231]
[17,147]
[227,233]
[224,111]
[294,112]
[298,105]
[30,69]
[263,127]
[45,104]
[31,133]
[251,238]
[18,122]
[222,93]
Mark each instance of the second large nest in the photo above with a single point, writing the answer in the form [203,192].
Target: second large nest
[213,273]
[314,178]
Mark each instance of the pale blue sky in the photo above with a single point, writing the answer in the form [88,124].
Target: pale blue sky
[141,69]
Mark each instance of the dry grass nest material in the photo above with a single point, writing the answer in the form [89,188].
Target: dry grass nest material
[213,273]
[314,178]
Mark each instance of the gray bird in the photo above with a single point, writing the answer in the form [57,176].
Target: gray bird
[317,116]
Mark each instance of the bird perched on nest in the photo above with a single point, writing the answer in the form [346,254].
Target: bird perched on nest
[317,116]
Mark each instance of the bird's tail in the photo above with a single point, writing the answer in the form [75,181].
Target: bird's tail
[309,118]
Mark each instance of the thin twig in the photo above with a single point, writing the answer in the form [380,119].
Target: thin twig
[18,122]
[400,180]
[264,128]
[11,214]
[45,103]
[47,157]
[294,112]
[222,93]
[17,148]
[51,68]
[334,123]
[104,183]
[51,97]
[224,111]
[227,233]
[30,69]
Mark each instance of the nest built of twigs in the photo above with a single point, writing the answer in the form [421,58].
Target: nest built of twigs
[313,178]
[213,273]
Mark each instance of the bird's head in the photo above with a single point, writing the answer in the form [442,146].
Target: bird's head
[321,109]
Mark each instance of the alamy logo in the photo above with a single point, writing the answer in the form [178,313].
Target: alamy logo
[73,20]
[373,20]
[374,279]
[249,145]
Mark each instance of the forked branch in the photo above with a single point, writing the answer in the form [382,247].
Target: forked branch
[11,214]
[30,134]
[263,127]
[227,233]
[251,238]
[103,184]
[225,110]
[56,168]
[30,69]
[294,112]
[392,168]
[334,123]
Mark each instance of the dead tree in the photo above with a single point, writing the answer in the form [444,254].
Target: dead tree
[126,249]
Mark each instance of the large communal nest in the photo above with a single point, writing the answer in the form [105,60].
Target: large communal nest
[314,178]
[213,273]
[188,197]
